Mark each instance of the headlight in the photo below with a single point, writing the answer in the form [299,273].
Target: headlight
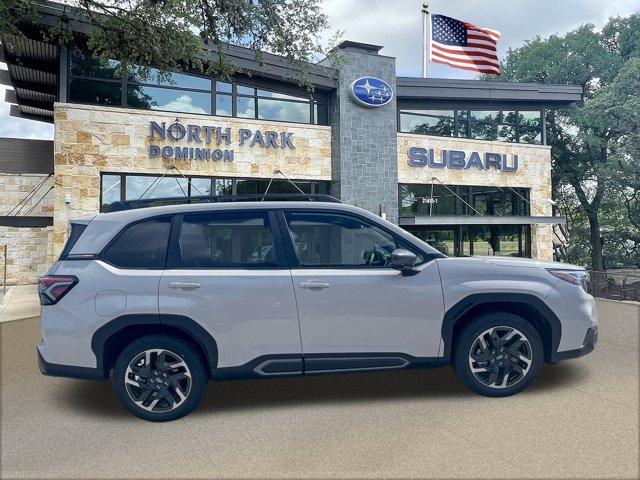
[576,277]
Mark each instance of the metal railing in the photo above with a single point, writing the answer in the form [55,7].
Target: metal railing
[615,286]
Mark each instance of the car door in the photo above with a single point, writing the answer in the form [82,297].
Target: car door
[227,271]
[351,302]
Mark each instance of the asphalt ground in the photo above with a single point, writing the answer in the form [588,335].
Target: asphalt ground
[579,419]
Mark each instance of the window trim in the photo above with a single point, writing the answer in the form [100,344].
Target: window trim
[122,231]
[174,259]
[292,256]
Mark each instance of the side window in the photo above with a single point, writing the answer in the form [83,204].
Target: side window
[142,245]
[226,240]
[334,240]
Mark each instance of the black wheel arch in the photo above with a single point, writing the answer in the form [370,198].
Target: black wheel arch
[528,306]
[110,339]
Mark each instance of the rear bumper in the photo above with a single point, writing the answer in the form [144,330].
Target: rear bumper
[68,371]
[589,343]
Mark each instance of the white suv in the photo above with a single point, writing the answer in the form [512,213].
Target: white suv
[163,299]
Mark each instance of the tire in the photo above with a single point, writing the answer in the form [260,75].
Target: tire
[173,361]
[502,334]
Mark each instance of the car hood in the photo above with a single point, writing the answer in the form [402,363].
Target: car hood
[527,263]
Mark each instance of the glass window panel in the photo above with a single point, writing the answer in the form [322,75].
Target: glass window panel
[227,241]
[245,107]
[95,92]
[323,188]
[223,87]
[463,123]
[143,186]
[327,240]
[484,125]
[267,93]
[85,65]
[417,200]
[223,186]
[110,190]
[321,113]
[242,90]
[152,75]
[506,121]
[530,129]
[223,105]
[156,98]
[142,245]
[428,122]
[283,186]
[283,111]
[200,187]
[441,240]
[247,187]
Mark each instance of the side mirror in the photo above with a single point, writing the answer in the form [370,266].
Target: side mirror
[403,260]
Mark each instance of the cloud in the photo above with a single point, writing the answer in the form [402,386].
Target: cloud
[183,103]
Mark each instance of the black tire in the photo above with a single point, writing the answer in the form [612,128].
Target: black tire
[187,379]
[483,382]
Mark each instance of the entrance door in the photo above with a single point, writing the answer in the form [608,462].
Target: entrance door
[351,301]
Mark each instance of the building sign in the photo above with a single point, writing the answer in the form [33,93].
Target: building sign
[426,157]
[223,137]
[371,92]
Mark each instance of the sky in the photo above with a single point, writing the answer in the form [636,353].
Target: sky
[397,25]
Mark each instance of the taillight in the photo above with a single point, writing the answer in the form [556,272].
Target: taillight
[52,288]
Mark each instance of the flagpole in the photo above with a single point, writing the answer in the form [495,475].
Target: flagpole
[426,37]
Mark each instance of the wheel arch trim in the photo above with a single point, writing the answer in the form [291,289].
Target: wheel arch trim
[458,311]
[186,325]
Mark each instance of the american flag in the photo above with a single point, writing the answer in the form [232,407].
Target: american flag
[463,45]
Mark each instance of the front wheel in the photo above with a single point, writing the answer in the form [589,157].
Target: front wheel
[159,378]
[498,354]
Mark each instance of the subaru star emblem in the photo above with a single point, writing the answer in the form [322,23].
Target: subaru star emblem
[371,92]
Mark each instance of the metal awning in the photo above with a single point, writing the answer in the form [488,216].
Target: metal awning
[480,220]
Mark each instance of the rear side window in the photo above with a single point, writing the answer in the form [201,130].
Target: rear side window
[76,231]
[141,245]
[226,240]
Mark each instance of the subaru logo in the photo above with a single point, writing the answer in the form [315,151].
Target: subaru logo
[371,92]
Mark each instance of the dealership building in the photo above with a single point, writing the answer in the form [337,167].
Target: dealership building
[462,164]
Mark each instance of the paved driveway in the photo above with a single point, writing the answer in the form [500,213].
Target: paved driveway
[578,420]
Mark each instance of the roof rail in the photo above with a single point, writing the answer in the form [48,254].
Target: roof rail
[272,197]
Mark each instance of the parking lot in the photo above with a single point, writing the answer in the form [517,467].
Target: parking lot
[578,420]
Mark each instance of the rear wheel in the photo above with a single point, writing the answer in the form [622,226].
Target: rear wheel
[498,354]
[159,378]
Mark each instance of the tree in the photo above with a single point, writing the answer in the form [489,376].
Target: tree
[594,146]
[172,35]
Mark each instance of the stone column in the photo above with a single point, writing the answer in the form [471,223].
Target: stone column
[363,140]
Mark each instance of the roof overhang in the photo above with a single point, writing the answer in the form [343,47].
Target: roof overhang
[480,220]
[469,93]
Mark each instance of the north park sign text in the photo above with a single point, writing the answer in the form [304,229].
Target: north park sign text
[223,137]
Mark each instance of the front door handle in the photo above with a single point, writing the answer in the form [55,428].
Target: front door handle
[314,284]
[185,285]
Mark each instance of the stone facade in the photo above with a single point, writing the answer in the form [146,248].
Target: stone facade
[90,139]
[534,173]
[15,188]
[364,139]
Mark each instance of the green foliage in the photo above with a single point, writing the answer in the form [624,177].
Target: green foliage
[172,35]
[596,146]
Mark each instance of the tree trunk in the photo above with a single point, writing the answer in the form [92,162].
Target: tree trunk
[596,246]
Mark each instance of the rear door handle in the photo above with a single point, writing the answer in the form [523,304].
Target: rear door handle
[185,285]
[314,284]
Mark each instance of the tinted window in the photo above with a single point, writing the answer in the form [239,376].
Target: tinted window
[156,98]
[226,240]
[95,92]
[330,240]
[142,245]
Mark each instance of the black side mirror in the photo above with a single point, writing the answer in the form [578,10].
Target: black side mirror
[403,260]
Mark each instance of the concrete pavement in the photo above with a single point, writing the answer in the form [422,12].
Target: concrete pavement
[578,420]
[20,301]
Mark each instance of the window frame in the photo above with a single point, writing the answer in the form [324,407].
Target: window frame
[292,256]
[123,230]
[174,259]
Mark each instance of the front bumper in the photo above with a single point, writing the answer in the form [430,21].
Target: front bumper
[589,343]
[68,371]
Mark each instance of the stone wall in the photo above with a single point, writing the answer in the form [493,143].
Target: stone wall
[92,139]
[534,173]
[15,188]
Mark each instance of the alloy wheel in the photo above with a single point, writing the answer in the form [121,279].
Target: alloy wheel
[158,380]
[500,357]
